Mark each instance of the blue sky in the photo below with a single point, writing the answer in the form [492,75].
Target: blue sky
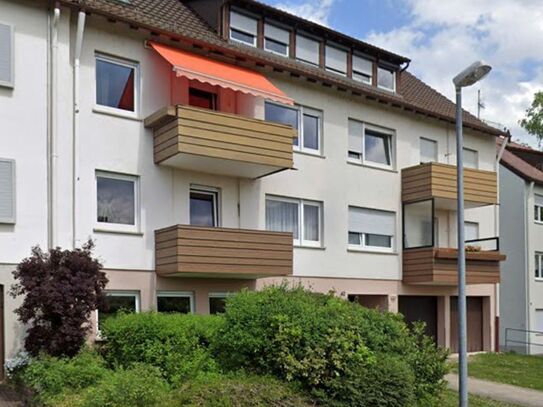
[441,41]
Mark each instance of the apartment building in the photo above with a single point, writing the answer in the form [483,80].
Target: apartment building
[211,146]
[521,226]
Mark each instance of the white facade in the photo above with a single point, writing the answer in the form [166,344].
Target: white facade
[119,143]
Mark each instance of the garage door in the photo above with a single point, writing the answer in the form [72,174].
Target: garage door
[474,307]
[420,308]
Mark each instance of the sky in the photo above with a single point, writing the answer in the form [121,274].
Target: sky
[442,37]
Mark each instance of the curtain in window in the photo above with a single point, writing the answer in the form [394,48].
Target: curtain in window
[311,222]
[282,216]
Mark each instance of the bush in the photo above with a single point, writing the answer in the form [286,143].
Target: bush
[238,391]
[327,344]
[49,379]
[178,345]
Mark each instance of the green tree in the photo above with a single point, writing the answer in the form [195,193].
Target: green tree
[533,121]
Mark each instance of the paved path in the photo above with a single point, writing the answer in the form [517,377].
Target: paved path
[8,398]
[499,391]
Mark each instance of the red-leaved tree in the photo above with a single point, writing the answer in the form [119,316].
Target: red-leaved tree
[61,288]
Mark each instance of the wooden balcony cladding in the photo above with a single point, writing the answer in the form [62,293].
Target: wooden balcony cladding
[436,180]
[209,141]
[195,251]
[438,266]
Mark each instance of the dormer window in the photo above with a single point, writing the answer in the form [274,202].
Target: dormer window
[276,39]
[243,28]
[307,50]
[386,78]
[362,69]
[336,60]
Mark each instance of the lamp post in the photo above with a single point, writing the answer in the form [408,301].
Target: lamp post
[472,74]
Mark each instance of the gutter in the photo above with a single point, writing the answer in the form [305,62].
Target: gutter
[76,92]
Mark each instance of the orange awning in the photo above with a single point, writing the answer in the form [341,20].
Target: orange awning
[217,73]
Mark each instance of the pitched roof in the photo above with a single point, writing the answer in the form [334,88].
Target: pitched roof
[175,19]
[516,164]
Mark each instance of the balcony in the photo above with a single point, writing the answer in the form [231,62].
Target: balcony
[438,266]
[194,251]
[209,141]
[438,181]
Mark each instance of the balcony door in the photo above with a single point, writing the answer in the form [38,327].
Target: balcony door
[203,99]
[204,207]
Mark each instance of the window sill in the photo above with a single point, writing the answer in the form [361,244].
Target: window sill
[309,247]
[115,113]
[353,250]
[117,232]
[538,280]
[316,155]
[373,167]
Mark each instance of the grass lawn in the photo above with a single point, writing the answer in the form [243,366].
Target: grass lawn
[510,368]
[450,399]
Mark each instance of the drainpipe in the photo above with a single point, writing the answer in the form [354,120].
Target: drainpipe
[527,224]
[75,153]
[52,127]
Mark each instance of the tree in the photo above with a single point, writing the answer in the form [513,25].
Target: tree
[533,121]
[61,289]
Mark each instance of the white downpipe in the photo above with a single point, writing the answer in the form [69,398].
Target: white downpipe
[52,240]
[77,56]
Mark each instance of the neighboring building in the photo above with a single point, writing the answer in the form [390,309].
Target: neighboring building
[169,142]
[521,227]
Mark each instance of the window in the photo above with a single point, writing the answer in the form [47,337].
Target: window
[203,99]
[371,229]
[386,78]
[428,150]
[276,39]
[307,50]
[307,121]
[539,266]
[538,208]
[336,60]
[174,302]
[116,88]
[471,231]
[471,158]
[6,55]
[538,320]
[217,303]
[118,301]
[243,28]
[301,217]
[362,69]
[117,201]
[204,206]
[7,191]
[418,230]
[370,145]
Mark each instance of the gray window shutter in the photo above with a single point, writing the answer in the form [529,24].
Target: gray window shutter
[538,200]
[7,191]
[6,55]
[373,221]
[356,133]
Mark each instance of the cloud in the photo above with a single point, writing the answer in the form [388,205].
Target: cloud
[317,11]
[442,37]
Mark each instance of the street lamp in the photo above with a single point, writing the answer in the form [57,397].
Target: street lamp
[472,74]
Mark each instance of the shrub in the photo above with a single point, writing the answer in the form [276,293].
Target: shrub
[50,378]
[238,391]
[60,290]
[326,344]
[176,344]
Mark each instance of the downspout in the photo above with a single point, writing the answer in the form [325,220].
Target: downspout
[527,224]
[52,126]
[75,153]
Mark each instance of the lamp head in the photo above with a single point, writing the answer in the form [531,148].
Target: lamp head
[472,74]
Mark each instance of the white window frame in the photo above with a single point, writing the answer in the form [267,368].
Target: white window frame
[362,246]
[387,68]
[538,215]
[11,220]
[538,258]
[435,160]
[362,160]
[118,227]
[179,294]
[120,293]
[311,38]
[11,82]
[301,241]
[216,194]
[464,149]
[113,110]
[266,37]
[255,35]
[355,71]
